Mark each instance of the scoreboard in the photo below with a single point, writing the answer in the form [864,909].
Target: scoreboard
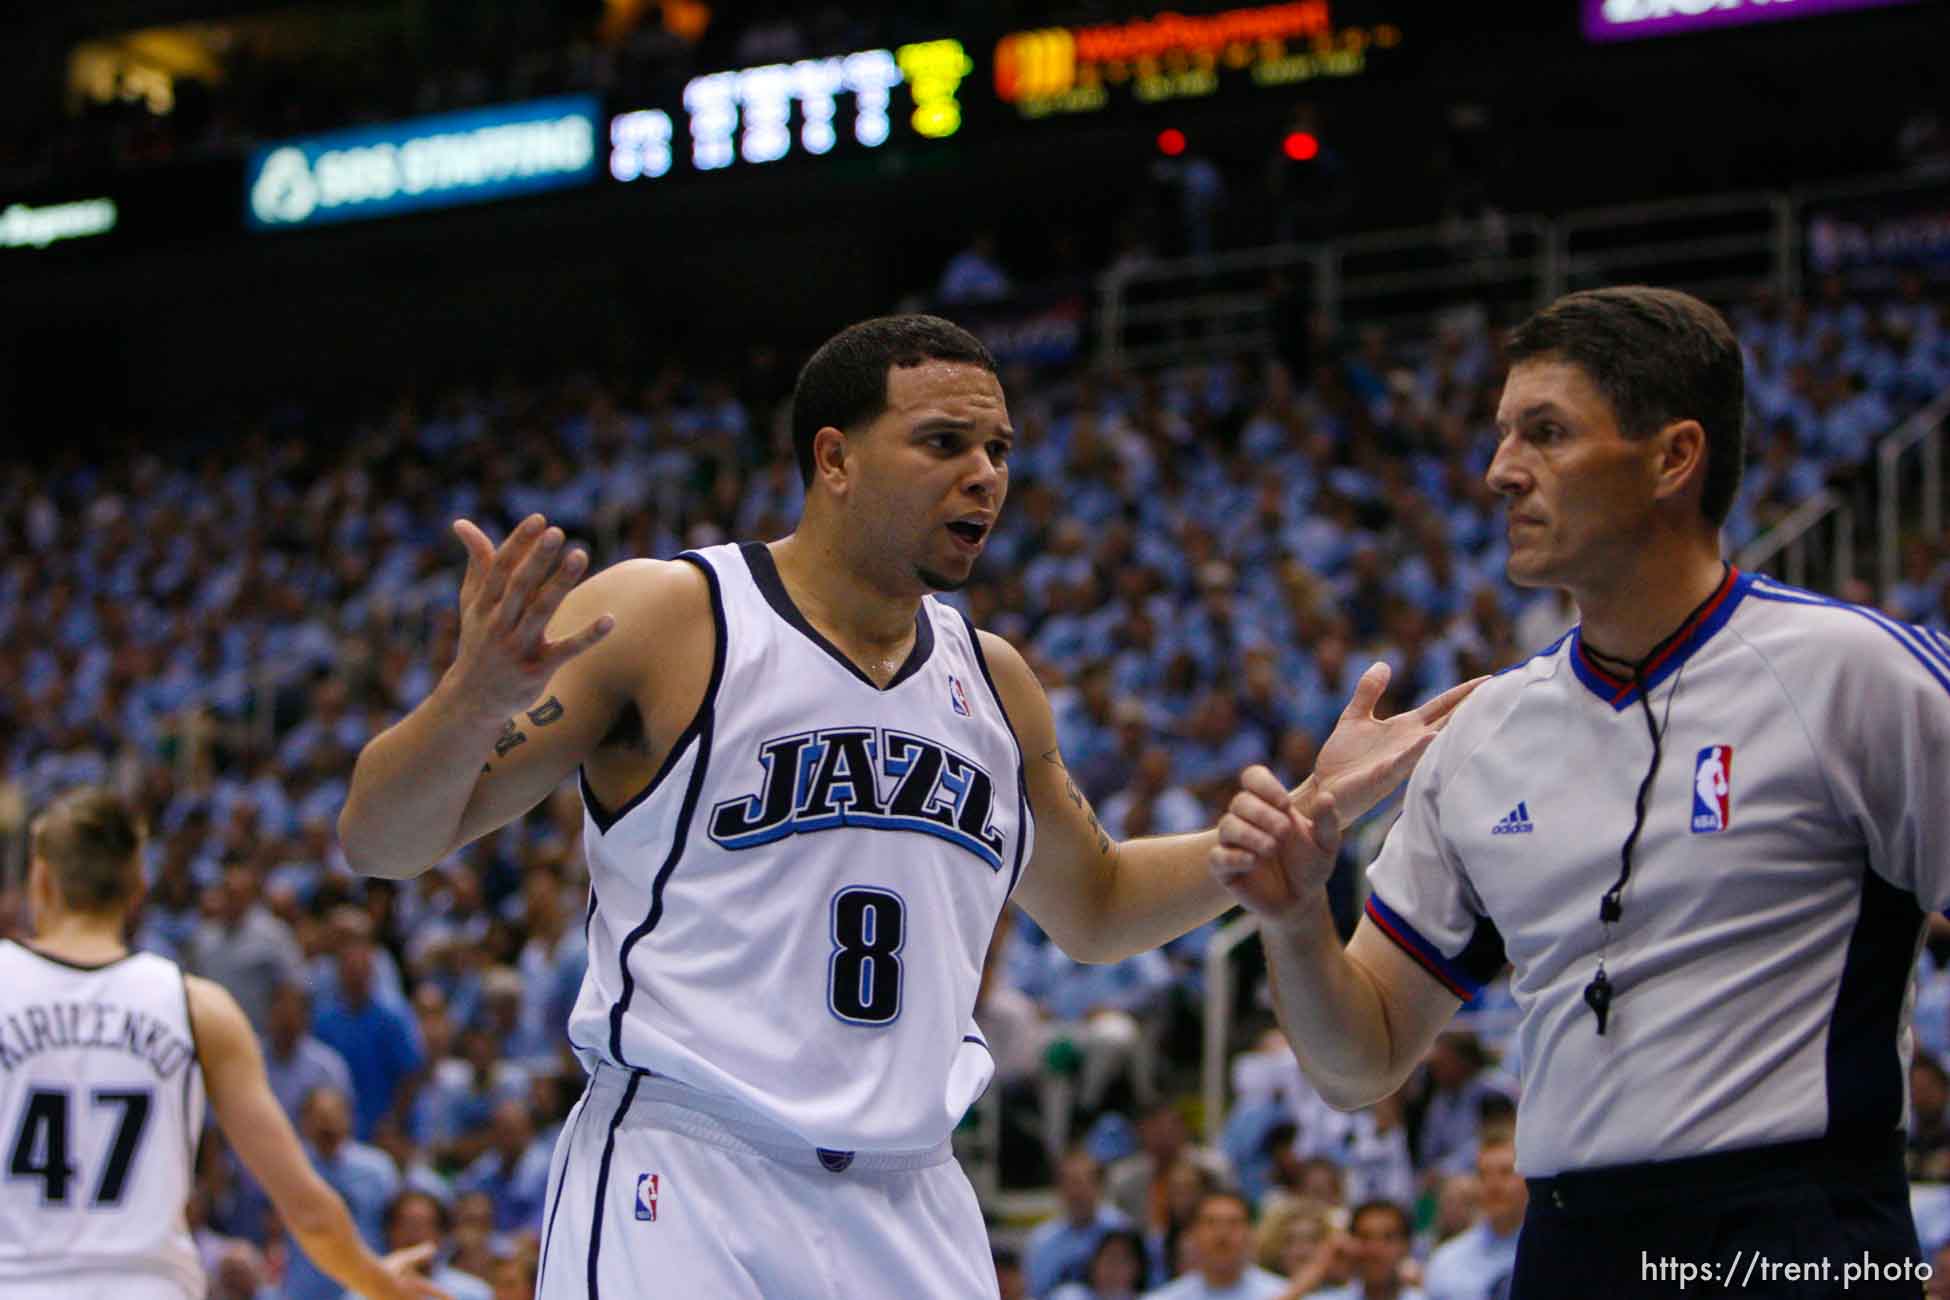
[919,94]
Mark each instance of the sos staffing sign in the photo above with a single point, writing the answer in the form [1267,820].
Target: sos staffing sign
[475,156]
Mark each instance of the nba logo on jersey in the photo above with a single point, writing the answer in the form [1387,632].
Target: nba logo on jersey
[646,1197]
[1713,789]
[957,696]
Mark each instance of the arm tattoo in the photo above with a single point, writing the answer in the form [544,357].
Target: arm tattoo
[1076,797]
[549,710]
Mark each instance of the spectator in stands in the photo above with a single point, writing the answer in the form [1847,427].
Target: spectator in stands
[513,1171]
[1477,1265]
[379,1040]
[974,274]
[415,1218]
[362,1174]
[1309,1246]
[1371,1147]
[295,1061]
[457,1106]
[1380,1232]
[1221,1238]
[1061,1248]
[240,1273]
[1153,803]
[1010,1281]
[514,1276]
[478,1248]
[1136,1184]
[1458,1075]
[242,946]
[1106,1013]
[1116,1270]
[551,963]
[1929,1119]
[1458,1201]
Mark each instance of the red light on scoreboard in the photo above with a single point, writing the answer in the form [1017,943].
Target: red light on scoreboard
[1171,142]
[1301,146]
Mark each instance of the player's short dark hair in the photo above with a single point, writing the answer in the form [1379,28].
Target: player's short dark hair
[1381,1206]
[91,841]
[844,384]
[1657,355]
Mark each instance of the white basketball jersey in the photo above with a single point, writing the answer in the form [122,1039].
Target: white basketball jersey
[793,915]
[101,1107]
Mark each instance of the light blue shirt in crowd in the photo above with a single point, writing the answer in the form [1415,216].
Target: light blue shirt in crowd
[1058,1250]
[1253,1284]
[1476,1265]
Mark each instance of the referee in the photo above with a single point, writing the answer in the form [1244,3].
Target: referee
[1705,827]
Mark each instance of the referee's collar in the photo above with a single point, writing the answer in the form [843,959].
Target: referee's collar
[1699,629]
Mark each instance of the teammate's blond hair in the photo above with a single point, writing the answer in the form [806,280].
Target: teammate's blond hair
[91,841]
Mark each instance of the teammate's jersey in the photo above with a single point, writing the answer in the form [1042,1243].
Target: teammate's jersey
[101,1107]
[793,915]
[1797,831]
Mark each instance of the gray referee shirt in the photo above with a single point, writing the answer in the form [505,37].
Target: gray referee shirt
[1797,832]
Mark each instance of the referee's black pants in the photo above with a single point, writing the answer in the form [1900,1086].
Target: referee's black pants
[1798,1221]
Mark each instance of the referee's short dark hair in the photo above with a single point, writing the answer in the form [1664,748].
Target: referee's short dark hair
[1657,355]
[844,384]
[91,841]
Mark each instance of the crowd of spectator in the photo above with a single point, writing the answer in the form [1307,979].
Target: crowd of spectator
[1198,564]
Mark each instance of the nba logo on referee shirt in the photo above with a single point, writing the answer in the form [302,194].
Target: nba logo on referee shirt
[1713,789]
[957,696]
[646,1197]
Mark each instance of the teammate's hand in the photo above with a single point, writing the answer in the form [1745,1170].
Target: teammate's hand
[506,600]
[1269,856]
[1366,757]
[405,1276]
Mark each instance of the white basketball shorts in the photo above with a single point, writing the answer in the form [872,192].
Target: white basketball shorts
[649,1193]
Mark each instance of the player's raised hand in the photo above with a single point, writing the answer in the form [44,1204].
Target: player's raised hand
[1271,858]
[506,600]
[1366,757]
[406,1277]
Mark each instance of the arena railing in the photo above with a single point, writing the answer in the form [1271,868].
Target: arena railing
[1223,305]
[1923,434]
[1788,544]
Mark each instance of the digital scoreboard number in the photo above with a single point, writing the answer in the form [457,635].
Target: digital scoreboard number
[760,115]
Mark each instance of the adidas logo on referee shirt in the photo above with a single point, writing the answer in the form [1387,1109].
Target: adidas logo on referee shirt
[1517,823]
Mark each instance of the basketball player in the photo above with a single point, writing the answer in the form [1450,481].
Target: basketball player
[104,1057]
[810,789]
[1705,826]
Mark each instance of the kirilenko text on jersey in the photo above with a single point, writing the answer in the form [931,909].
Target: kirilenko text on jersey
[875,778]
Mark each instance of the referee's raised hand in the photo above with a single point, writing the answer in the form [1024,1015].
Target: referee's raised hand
[1366,757]
[506,600]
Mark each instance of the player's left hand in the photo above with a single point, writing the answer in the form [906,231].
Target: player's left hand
[1366,757]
